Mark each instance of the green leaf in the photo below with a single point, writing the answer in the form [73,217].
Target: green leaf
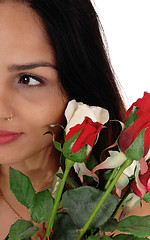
[22,229]
[110,225]
[90,163]
[132,117]
[93,238]
[81,202]
[56,125]
[7,238]
[106,238]
[62,160]
[108,173]
[69,180]
[146,197]
[81,155]
[21,187]
[137,225]
[64,228]
[67,146]
[27,238]
[57,145]
[136,150]
[127,237]
[42,207]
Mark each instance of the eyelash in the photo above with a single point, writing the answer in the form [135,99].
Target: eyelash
[27,76]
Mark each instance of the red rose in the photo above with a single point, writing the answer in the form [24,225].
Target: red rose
[141,122]
[89,131]
[145,180]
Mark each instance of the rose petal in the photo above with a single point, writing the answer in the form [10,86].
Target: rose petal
[129,171]
[76,112]
[121,184]
[147,155]
[139,185]
[144,102]
[142,122]
[70,109]
[81,169]
[88,132]
[115,160]
[131,203]
[148,185]
[143,166]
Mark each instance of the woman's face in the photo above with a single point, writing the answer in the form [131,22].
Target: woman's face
[29,86]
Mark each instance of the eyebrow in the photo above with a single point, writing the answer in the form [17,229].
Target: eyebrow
[15,67]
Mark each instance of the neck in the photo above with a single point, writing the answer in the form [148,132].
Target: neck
[40,169]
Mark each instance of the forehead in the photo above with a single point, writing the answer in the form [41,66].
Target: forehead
[22,31]
[20,17]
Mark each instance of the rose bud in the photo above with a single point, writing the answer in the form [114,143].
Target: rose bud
[80,140]
[84,124]
[135,139]
[145,180]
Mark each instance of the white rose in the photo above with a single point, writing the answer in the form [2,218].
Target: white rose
[77,111]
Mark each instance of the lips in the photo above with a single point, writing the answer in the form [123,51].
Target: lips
[8,137]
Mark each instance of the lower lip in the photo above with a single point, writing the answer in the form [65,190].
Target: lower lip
[4,139]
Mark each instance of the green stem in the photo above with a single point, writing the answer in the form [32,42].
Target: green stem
[102,200]
[68,165]
[111,178]
[121,203]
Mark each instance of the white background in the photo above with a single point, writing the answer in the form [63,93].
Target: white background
[126,25]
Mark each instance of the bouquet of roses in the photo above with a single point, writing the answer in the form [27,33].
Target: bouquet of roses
[83,211]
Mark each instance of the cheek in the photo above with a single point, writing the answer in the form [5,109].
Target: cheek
[52,111]
[41,113]
[43,102]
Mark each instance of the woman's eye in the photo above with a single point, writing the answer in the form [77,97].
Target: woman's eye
[30,80]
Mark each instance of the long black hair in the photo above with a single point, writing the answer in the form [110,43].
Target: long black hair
[83,64]
[75,33]
[82,61]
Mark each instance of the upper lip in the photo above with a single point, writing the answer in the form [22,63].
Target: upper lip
[6,133]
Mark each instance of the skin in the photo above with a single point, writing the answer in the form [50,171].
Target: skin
[35,102]
[34,106]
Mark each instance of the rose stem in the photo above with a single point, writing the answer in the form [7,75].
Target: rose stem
[102,200]
[111,178]
[68,165]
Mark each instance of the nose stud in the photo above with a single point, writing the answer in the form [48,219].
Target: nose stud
[10,118]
